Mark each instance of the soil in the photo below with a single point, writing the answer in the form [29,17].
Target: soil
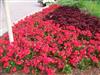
[92,71]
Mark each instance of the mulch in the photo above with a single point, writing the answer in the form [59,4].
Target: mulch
[91,71]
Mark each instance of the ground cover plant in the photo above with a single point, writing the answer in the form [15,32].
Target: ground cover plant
[74,16]
[46,47]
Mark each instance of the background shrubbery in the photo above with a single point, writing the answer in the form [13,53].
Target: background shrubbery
[92,6]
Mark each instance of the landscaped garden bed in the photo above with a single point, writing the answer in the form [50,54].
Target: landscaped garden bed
[56,40]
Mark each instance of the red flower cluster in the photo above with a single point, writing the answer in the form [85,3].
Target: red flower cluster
[43,46]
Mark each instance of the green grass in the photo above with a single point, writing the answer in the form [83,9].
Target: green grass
[91,6]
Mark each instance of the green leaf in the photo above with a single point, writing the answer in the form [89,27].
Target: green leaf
[1,64]
[87,38]
[67,68]
[99,64]
[85,64]
[12,63]
[7,69]
[56,54]
[37,71]
[80,37]
[19,67]
[77,48]
[31,68]
[45,33]
[4,53]
[36,24]
[30,56]
[51,65]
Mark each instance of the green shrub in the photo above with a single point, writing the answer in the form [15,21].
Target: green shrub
[91,6]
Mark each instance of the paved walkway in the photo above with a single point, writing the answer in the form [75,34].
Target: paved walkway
[18,10]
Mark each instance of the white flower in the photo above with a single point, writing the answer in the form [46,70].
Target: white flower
[44,1]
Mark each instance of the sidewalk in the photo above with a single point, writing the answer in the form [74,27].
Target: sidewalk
[18,10]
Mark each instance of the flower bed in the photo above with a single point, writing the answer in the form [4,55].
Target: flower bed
[46,48]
